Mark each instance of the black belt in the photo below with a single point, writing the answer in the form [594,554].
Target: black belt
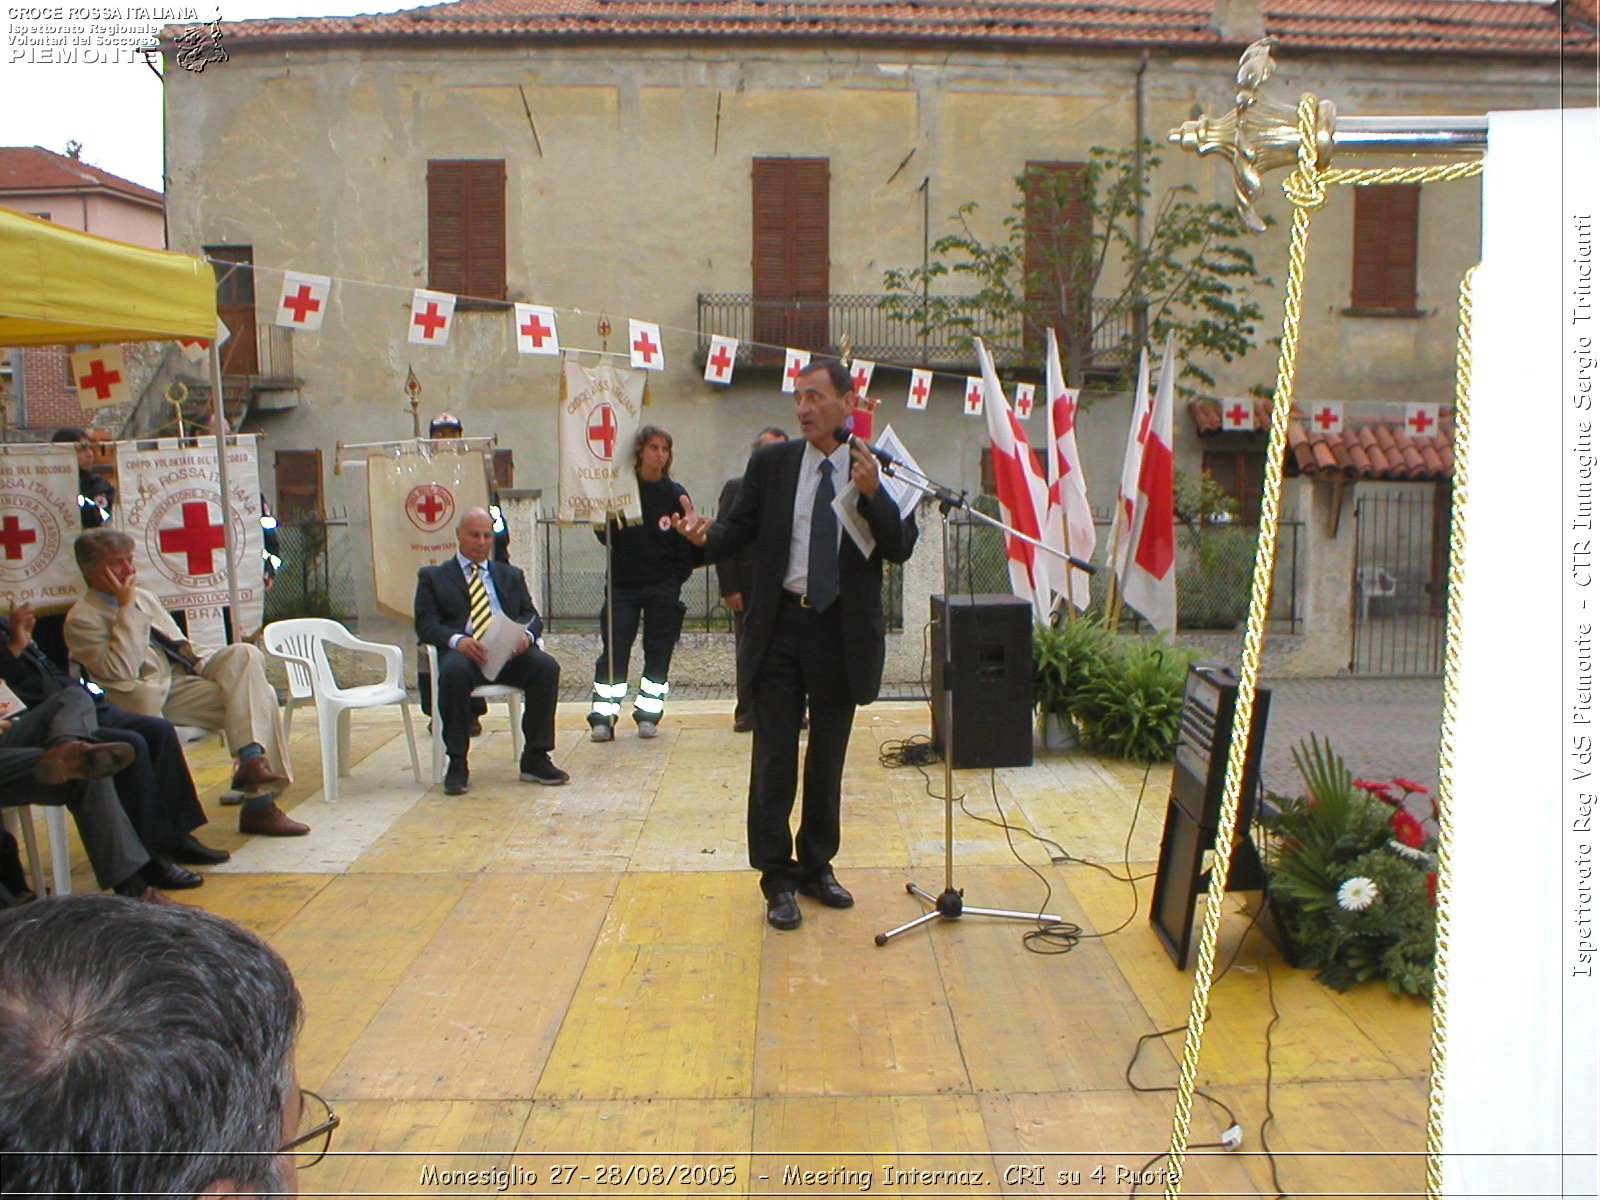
[788,597]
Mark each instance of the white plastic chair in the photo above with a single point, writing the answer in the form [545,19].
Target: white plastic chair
[302,643]
[1374,583]
[488,691]
[55,831]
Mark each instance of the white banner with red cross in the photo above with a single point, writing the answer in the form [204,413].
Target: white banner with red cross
[417,493]
[599,413]
[100,376]
[38,522]
[170,502]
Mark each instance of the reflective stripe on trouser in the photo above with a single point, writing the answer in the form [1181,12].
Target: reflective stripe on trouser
[606,703]
[651,701]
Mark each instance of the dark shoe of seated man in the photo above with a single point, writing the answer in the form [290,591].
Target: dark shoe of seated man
[268,820]
[135,888]
[457,778]
[782,911]
[255,775]
[72,760]
[161,872]
[191,851]
[537,768]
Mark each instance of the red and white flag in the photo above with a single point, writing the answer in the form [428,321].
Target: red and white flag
[536,330]
[719,359]
[1148,578]
[303,300]
[1068,494]
[1327,418]
[196,349]
[972,404]
[1238,414]
[1422,420]
[921,385]
[644,346]
[861,375]
[101,376]
[431,314]
[1024,401]
[1128,481]
[1020,488]
[794,361]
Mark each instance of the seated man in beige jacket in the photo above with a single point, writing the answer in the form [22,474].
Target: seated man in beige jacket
[130,645]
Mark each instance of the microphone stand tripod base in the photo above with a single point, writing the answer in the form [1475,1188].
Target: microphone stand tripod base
[948,906]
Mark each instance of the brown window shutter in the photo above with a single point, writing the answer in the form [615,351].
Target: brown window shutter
[505,469]
[467,227]
[298,474]
[1057,228]
[789,252]
[1383,272]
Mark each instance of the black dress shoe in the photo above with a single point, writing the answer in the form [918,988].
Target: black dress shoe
[456,775]
[162,872]
[196,853]
[828,890]
[474,728]
[782,911]
[540,769]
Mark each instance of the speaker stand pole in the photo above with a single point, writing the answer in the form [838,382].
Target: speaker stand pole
[950,904]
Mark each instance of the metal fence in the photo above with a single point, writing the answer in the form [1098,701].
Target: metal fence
[317,575]
[573,584]
[1398,592]
[1214,565]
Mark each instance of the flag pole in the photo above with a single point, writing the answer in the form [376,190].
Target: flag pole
[219,426]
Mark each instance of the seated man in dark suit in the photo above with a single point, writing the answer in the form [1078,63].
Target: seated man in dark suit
[156,789]
[455,602]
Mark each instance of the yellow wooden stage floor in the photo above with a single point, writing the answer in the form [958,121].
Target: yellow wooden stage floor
[573,990]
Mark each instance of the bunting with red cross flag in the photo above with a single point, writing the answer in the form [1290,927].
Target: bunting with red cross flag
[1326,417]
[861,370]
[170,499]
[303,300]
[1238,414]
[536,329]
[1148,576]
[720,358]
[417,492]
[600,409]
[38,522]
[1020,487]
[100,376]
[794,361]
[431,314]
[972,402]
[1023,404]
[644,346]
[917,393]
[1068,496]
[1422,420]
[196,349]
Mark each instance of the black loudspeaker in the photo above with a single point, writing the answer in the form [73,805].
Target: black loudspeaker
[991,679]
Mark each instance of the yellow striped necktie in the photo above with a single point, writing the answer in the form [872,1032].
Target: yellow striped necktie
[477,603]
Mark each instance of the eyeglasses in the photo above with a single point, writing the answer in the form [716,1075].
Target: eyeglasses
[317,1123]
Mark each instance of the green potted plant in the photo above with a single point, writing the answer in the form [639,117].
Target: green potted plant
[1066,655]
[1129,706]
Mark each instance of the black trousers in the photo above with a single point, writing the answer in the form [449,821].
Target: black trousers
[659,610]
[157,791]
[804,663]
[534,671]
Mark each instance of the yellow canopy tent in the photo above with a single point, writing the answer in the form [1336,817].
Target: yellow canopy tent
[61,286]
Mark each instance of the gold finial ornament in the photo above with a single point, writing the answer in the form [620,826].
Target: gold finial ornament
[414,392]
[177,394]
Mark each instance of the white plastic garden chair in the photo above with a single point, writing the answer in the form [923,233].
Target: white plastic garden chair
[488,691]
[302,644]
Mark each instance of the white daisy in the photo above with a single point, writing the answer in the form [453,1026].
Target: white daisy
[1405,851]
[1356,894]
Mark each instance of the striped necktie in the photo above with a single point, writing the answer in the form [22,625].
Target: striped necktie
[477,602]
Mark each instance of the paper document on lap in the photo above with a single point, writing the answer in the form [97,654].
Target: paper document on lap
[503,641]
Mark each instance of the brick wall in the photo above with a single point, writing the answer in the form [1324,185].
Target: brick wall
[49,399]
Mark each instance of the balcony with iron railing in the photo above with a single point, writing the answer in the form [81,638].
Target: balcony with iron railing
[887,328]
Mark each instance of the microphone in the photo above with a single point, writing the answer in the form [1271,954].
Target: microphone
[843,434]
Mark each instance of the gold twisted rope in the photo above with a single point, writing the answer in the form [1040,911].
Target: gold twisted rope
[1306,188]
[1447,737]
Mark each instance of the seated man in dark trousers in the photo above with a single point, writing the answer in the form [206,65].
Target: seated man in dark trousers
[455,601]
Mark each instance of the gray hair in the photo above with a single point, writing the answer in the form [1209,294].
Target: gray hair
[96,545]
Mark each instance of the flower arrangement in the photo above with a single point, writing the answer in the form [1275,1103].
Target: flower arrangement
[1353,873]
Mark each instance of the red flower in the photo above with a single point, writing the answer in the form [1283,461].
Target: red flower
[1407,785]
[1378,791]
[1432,880]
[1407,829]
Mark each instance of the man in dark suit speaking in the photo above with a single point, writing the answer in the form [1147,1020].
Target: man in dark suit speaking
[814,630]
[456,601]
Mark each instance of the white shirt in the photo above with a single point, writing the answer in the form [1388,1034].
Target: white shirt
[805,495]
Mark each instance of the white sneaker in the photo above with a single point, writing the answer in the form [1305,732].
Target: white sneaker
[600,733]
[647,729]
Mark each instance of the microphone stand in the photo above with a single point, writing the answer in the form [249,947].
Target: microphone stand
[950,904]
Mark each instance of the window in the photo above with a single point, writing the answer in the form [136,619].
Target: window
[1383,274]
[236,305]
[1057,224]
[467,228]
[299,483]
[1240,474]
[505,469]
[789,254]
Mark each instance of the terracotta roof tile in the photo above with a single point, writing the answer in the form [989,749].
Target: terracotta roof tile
[35,169]
[1376,449]
[1441,26]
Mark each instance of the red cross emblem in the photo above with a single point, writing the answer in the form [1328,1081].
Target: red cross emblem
[974,396]
[1066,413]
[645,349]
[1236,415]
[1421,420]
[791,372]
[13,537]
[1144,424]
[429,319]
[721,362]
[536,330]
[919,390]
[196,538]
[602,431]
[1326,418]
[860,378]
[303,303]
[99,380]
[429,506]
